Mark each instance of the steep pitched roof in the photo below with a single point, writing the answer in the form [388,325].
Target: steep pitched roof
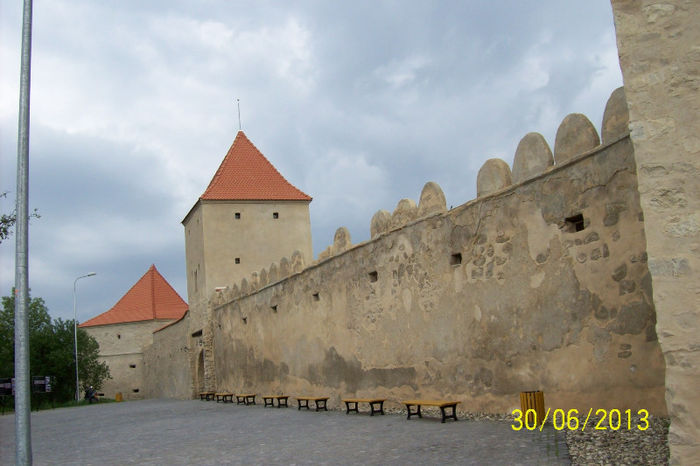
[245,174]
[150,298]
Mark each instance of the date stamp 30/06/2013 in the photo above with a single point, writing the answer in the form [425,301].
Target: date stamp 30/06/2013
[603,419]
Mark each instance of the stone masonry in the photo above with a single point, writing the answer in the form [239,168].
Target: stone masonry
[659,47]
[542,285]
[543,282]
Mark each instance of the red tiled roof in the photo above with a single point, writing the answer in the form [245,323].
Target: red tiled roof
[150,298]
[245,174]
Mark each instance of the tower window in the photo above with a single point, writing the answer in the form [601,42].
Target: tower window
[274,308]
[133,366]
[373,277]
[237,215]
[456,259]
[237,260]
[135,390]
[275,215]
[574,223]
[119,336]
[317,297]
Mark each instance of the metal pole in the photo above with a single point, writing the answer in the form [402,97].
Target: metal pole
[75,343]
[75,334]
[23,443]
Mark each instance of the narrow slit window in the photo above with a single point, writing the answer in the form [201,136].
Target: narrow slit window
[135,390]
[275,215]
[274,308]
[456,259]
[133,366]
[373,276]
[575,223]
[317,297]
[245,320]
[119,336]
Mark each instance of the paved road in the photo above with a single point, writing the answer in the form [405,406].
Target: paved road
[160,432]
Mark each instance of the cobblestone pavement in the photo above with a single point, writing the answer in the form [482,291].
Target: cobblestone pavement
[200,432]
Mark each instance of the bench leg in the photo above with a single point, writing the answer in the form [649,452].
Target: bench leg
[249,400]
[348,409]
[268,402]
[282,402]
[240,400]
[321,404]
[451,416]
[374,410]
[416,412]
[303,404]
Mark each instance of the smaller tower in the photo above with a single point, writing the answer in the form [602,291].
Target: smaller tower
[123,331]
[248,217]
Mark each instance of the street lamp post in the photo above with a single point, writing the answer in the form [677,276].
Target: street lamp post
[75,334]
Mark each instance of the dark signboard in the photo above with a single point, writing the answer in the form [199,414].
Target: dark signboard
[7,387]
[41,384]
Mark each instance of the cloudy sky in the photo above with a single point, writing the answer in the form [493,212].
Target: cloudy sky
[356,103]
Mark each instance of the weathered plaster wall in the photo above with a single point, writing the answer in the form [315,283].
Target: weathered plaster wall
[254,236]
[121,347]
[225,241]
[166,363]
[197,294]
[494,297]
[659,47]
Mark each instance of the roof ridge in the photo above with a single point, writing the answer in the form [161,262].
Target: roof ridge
[220,170]
[271,164]
[143,302]
[153,271]
[246,174]
[170,287]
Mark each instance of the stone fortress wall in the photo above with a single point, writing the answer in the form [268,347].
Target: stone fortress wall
[121,347]
[519,329]
[167,360]
[659,49]
[541,283]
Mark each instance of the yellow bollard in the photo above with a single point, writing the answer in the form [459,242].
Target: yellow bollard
[534,401]
[118,397]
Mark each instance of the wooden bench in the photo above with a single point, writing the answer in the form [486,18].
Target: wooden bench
[206,396]
[245,398]
[376,405]
[440,404]
[225,397]
[269,400]
[320,402]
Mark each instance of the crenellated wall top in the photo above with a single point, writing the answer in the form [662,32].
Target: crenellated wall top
[575,137]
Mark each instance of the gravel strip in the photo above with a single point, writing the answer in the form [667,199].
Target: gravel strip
[621,447]
[609,447]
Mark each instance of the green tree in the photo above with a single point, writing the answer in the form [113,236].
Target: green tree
[7,221]
[51,349]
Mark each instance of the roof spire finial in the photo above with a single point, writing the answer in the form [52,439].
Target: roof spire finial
[238,101]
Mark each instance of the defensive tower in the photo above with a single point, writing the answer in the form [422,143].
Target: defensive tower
[248,218]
